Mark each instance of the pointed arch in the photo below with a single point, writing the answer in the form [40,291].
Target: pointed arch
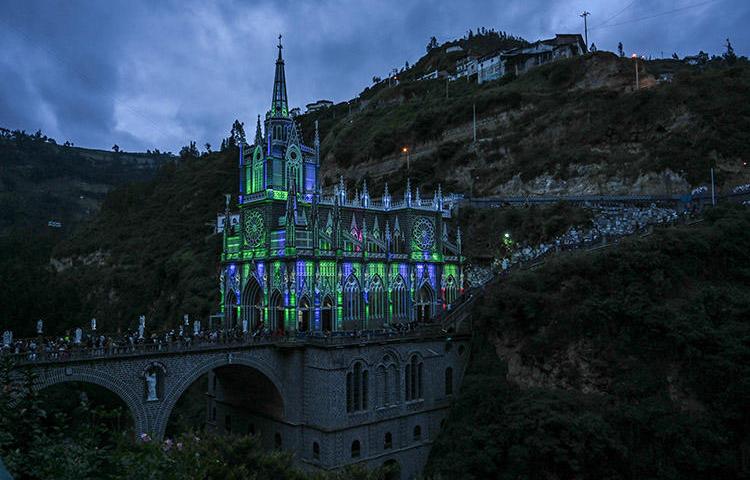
[327,314]
[425,302]
[376,298]
[293,167]
[400,299]
[352,303]
[252,304]
[303,314]
[451,290]
[230,309]
[276,312]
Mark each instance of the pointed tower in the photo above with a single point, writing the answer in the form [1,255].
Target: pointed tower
[386,198]
[365,195]
[279,106]
[258,134]
[407,193]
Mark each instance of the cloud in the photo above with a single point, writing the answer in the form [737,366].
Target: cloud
[157,75]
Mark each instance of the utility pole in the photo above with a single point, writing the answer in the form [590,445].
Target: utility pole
[713,189]
[446,88]
[585,14]
[474,110]
[637,82]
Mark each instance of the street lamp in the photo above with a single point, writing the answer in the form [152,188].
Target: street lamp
[637,83]
[405,150]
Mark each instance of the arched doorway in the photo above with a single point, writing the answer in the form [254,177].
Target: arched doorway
[237,397]
[303,315]
[425,300]
[230,310]
[391,470]
[327,314]
[252,304]
[276,312]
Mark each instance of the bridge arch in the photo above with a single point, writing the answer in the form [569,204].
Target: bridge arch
[125,391]
[180,385]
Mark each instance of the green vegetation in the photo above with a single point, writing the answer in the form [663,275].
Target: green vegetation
[630,362]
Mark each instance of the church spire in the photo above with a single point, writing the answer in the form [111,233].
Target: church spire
[279,107]
[258,133]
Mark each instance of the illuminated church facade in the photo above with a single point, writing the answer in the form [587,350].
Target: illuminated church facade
[303,260]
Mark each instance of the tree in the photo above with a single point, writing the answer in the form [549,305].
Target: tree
[620,50]
[376,79]
[593,47]
[237,134]
[189,151]
[406,65]
[432,44]
[675,56]
[208,147]
[729,56]
[116,148]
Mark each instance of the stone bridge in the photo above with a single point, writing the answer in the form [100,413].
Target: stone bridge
[331,401]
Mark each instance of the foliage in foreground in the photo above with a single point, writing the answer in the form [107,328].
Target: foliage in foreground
[666,325]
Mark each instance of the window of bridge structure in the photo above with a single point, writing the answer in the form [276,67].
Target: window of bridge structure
[417,433]
[413,382]
[228,423]
[277,440]
[388,441]
[449,381]
[387,382]
[451,290]
[316,451]
[355,449]
[357,388]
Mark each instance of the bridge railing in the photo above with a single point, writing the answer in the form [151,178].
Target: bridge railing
[228,343]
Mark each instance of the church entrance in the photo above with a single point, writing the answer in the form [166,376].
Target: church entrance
[425,299]
[252,305]
[303,315]
[276,310]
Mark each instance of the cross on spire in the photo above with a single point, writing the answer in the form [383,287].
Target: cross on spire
[279,107]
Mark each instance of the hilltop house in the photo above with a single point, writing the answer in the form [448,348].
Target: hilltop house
[466,67]
[319,105]
[522,59]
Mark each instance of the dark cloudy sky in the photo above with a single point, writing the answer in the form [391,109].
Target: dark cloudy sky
[147,73]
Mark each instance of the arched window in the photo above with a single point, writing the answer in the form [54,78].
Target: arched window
[351,302]
[326,314]
[388,441]
[316,451]
[277,440]
[252,304]
[355,449]
[382,383]
[449,381]
[230,311]
[417,433]
[414,379]
[399,297]
[377,303]
[257,176]
[425,302]
[451,290]
[394,380]
[303,315]
[357,388]
[276,308]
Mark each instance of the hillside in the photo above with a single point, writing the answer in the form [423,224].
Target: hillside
[627,363]
[574,126]
[42,181]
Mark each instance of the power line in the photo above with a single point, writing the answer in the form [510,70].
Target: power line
[614,16]
[661,14]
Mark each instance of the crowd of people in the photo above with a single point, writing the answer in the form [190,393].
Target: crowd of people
[92,344]
[608,222]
